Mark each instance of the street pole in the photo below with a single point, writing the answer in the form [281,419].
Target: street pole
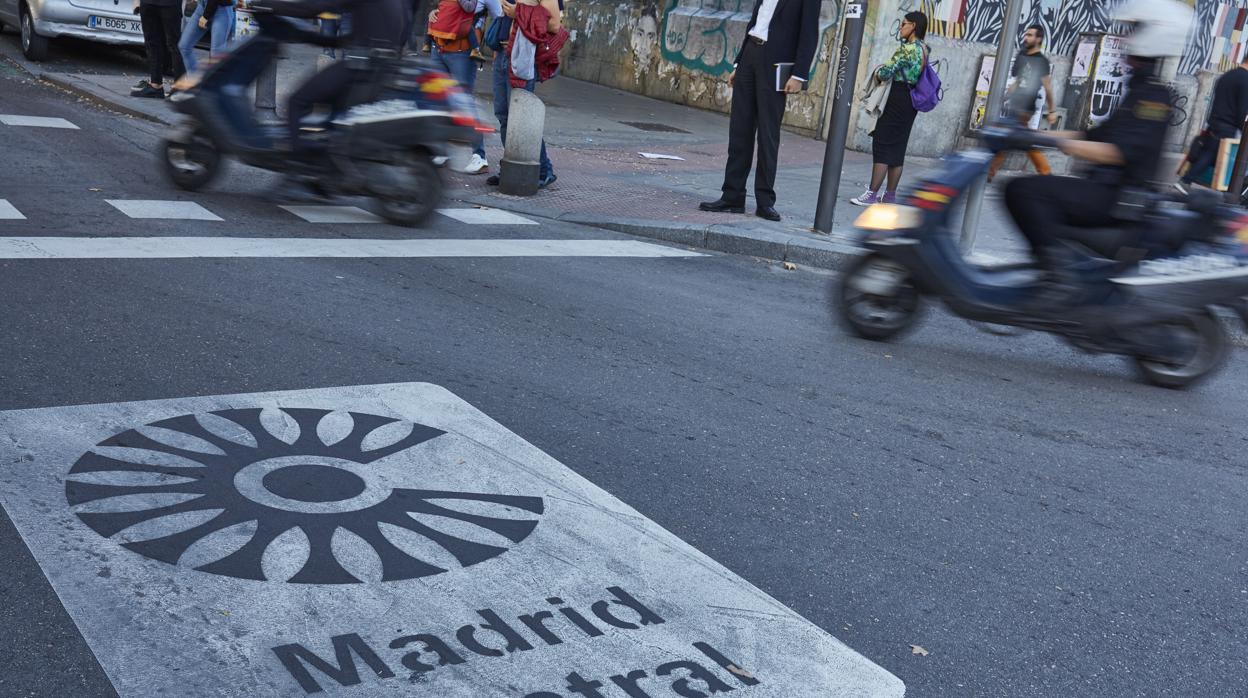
[996,94]
[1237,173]
[842,101]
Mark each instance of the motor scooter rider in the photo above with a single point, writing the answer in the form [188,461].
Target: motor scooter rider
[1124,152]
[374,24]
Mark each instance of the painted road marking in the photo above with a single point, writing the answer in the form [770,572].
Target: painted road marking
[380,539]
[333,214]
[37,121]
[176,210]
[485,216]
[9,212]
[189,247]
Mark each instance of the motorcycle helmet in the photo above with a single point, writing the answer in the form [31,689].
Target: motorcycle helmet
[1155,28]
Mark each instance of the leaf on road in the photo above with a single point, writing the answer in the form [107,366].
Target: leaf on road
[95,189]
[739,671]
[789,266]
[916,649]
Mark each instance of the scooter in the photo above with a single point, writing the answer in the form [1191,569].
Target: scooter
[1157,307]
[400,114]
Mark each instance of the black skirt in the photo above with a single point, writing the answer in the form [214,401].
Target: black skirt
[892,130]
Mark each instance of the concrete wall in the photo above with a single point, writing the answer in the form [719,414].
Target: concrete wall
[681,51]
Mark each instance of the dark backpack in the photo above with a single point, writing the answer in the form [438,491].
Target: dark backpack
[927,92]
[498,32]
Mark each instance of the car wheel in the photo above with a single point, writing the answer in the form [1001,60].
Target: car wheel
[34,47]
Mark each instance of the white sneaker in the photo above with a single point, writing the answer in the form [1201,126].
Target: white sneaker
[867,198]
[477,165]
[440,160]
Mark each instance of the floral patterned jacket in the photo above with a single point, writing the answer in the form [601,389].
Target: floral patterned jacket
[906,63]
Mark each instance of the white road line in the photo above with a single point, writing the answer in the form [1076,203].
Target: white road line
[175,210]
[218,247]
[9,212]
[38,121]
[333,214]
[485,216]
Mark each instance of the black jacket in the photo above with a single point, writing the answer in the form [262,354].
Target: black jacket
[792,36]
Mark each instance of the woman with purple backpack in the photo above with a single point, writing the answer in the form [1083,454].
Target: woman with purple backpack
[892,131]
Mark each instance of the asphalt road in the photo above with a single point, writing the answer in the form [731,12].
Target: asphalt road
[1036,520]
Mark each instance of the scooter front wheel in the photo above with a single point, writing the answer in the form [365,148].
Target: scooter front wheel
[190,162]
[878,299]
[409,191]
[1194,346]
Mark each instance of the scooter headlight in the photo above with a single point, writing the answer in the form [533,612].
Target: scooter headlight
[889,217]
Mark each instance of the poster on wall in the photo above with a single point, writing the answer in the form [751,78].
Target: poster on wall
[1081,68]
[1111,74]
[979,105]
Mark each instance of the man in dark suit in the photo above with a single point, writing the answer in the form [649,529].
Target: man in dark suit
[780,31]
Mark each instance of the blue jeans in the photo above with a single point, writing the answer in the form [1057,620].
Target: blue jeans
[502,105]
[461,67]
[222,30]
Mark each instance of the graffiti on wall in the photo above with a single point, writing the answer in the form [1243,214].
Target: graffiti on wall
[1218,41]
[704,35]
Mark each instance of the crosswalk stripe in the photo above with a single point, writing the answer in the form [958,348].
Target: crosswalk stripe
[333,214]
[221,247]
[9,212]
[38,121]
[485,216]
[177,210]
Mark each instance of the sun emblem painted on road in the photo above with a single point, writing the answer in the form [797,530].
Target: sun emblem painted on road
[289,494]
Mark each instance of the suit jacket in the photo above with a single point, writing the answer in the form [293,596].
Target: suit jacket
[792,36]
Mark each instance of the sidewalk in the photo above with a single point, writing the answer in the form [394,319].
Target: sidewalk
[595,136]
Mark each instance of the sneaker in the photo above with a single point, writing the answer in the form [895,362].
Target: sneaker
[477,165]
[492,180]
[867,198]
[440,161]
[890,197]
[148,91]
[547,181]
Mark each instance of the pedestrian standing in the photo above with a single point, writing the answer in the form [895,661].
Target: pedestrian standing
[780,35]
[891,136]
[1031,74]
[161,21]
[1226,116]
[217,18]
[453,50]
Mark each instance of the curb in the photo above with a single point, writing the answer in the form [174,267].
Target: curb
[100,96]
[776,244]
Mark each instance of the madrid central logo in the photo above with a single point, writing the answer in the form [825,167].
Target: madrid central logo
[306,496]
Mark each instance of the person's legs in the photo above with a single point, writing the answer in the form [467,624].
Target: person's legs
[770,109]
[1202,155]
[171,20]
[894,179]
[878,172]
[192,35]
[329,28]
[502,92]
[1040,162]
[322,88]
[742,126]
[222,31]
[461,67]
[153,35]
[997,161]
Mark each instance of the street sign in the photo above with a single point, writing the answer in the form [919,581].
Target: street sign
[385,539]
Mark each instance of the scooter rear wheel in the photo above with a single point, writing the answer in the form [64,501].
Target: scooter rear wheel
[192,162]
[877,299]
[411,191]
[1201,348]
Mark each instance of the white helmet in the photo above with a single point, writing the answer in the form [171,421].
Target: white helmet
[1157,28]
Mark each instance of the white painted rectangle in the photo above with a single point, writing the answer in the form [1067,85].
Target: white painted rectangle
[192,247]
[485,216]
[333,214]
[9,212]
[36,121]
[311,493]
[173,210]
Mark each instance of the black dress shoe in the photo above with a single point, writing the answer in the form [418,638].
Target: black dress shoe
[721,206]
[768,212]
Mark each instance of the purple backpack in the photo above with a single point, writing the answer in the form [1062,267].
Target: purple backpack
[927,92]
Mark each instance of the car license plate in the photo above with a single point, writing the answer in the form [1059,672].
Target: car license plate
[130,26]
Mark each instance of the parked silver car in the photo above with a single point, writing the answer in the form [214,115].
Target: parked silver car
[107,21]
